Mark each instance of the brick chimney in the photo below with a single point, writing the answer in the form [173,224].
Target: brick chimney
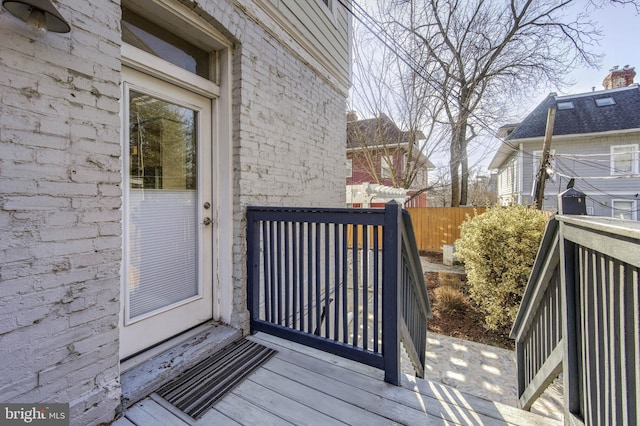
[352,116]
[619,77]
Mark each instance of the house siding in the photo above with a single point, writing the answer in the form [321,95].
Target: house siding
[321,31]
[61,199]
[570,161]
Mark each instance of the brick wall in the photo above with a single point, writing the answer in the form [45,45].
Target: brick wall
[60,195]
[60,245]
[289,134]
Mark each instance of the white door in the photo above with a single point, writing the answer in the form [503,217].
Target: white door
[168,221]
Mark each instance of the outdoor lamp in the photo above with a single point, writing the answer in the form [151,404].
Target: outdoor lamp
[41,15]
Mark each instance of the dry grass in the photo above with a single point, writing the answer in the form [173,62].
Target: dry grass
[452,280]
[450,300]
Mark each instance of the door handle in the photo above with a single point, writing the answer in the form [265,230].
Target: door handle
[207,221]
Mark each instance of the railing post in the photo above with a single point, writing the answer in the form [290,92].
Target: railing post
[570,366]
[253,269]
[391,252]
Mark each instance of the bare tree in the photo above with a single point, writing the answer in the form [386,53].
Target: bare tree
[476,54]
[401,115]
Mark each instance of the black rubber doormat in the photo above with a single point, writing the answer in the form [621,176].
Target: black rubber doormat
[196,390]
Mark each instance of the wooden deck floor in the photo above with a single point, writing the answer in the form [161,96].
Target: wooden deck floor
[301,385]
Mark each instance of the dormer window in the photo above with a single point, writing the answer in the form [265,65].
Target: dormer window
[565,105]
[605,101]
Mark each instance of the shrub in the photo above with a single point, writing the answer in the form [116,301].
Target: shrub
[450,300]
[498,249]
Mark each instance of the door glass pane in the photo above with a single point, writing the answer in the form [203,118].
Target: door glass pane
[162,214]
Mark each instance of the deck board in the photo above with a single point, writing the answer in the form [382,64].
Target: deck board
[450,401]
[301,385]
[276,403]
[149,412]
[292,384]
[233,410]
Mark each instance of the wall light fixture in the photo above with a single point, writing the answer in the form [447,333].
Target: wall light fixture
[41,15]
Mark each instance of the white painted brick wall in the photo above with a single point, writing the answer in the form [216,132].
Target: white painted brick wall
[60,195]
[289,133]
[60,249]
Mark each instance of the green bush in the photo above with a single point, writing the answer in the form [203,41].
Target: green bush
[498,249]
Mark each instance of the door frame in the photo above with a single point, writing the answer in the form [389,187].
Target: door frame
[196,29]
[158,89]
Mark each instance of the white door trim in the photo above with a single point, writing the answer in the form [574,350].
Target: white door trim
[143,331]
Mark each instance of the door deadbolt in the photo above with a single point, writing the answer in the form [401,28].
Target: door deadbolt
[207,221]
[207,205]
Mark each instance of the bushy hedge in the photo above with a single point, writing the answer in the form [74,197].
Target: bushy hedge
[498,249]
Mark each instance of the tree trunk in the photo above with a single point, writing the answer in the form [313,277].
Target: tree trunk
[464,178]
[454,165]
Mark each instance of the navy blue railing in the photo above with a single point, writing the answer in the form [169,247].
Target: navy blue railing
[580,316]
[346,281]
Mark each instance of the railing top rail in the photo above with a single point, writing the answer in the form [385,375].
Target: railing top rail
[409,239]
[532,290]
[610,225]
[319,215]
[616,238]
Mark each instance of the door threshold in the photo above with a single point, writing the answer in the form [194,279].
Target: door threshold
[145,372]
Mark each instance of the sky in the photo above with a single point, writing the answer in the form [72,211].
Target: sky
[619,45]
[620,27]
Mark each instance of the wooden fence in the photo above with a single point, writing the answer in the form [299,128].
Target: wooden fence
[438,226]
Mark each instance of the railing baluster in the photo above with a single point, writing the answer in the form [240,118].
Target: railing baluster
[287,270]
[317,281]
[631,300]
[302,275]
[310,278]
[296,282]
[327,281]
[267,273]
[616,346]
[376,289]
[345,278]
[337,281]
[354,292]
[365,287]
[278,268]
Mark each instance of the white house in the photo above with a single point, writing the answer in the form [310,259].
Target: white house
[129,149]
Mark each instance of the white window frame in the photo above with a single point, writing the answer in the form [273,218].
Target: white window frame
[634,159]
[349,164]
[329,8]
[386,169]
[615,211]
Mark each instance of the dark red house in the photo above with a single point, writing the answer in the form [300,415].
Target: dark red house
[387,158]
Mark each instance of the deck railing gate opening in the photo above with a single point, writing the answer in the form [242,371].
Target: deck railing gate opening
[580,316]
[345,281]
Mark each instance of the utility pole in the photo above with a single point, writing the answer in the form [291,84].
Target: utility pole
[544,161]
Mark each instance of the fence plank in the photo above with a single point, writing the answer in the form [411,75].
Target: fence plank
[438,226]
